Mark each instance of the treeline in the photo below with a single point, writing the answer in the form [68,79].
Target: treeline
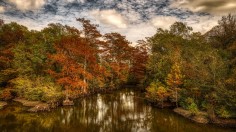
[61,62]
[189,69]
[193,70]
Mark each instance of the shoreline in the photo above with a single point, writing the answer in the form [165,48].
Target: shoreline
[39,106]
[202,118]
[2,104]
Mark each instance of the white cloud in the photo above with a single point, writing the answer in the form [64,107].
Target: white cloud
[163,22]
[209,6]
[198,23]
[111,17]
[69,1]
[28,4]
[2,9]
[139,31]
[202,23]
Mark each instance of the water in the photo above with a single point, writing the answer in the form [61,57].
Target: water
[120,111]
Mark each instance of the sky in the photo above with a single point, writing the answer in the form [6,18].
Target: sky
[136,19]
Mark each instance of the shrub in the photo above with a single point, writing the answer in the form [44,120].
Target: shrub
[151,93]
[222,112]
[193,108]
[5,94]
[37,89]
[190,105]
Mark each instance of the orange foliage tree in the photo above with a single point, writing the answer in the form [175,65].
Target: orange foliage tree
[117,57]
[69,71]
[138,62]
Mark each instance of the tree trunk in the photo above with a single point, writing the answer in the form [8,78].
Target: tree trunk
[176,97]
[162,103]
[85,67]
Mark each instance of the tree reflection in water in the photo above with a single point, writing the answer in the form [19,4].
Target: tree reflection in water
[120,111]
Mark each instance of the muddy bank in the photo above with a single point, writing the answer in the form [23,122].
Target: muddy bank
[2,104]
[202,117]
[36,106]
[225,122]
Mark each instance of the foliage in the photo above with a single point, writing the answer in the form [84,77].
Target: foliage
[174,80]
[196,66]
[193,108]
[36,89]
[157,92]
[194,70]
[222,112]
[6,94]
[152,91]
[190,105]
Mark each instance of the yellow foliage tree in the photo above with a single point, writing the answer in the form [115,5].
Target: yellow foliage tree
[162,94]
[174,80]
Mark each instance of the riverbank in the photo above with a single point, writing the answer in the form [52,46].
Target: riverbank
[2,104]
[39,106]
[36,106]
[202,117]
[121,110]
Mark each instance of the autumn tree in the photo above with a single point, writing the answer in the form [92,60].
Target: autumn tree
[69,71]
[175,80]
[139,58]
[162,94]
[10,35]
[223,38]
[117,57]
[91,50]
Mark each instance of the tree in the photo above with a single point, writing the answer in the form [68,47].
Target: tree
[117,56]
[175,80]
[139,60]
[69,72]
[10,35]
[162,95]
[180,29]
[91,37]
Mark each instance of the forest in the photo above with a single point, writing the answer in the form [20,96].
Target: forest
[176,66]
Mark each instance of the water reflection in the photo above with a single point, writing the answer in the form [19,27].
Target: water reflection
[120,111]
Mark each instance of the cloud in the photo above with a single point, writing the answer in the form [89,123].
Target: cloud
[111,17]
[25,5]
[2,9]
[163,22]
[134,19]
[202,23]
[207,6]
[139,31]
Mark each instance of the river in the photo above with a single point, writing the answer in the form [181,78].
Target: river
[120,111]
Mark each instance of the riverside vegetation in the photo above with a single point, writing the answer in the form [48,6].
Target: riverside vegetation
[176,67]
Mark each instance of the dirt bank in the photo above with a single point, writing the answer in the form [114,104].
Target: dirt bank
[2,104]
[200,117]
[36,106]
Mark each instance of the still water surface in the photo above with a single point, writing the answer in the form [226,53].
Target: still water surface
[120,111]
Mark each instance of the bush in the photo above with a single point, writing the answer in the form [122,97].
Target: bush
[193,108]
[156,92]
[190,105]
[222,112]
[37,89]
[6,94]
[151,93]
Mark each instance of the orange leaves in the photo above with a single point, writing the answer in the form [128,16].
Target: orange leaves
[174,78]
[139,61]
[6,94]
[70,71]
